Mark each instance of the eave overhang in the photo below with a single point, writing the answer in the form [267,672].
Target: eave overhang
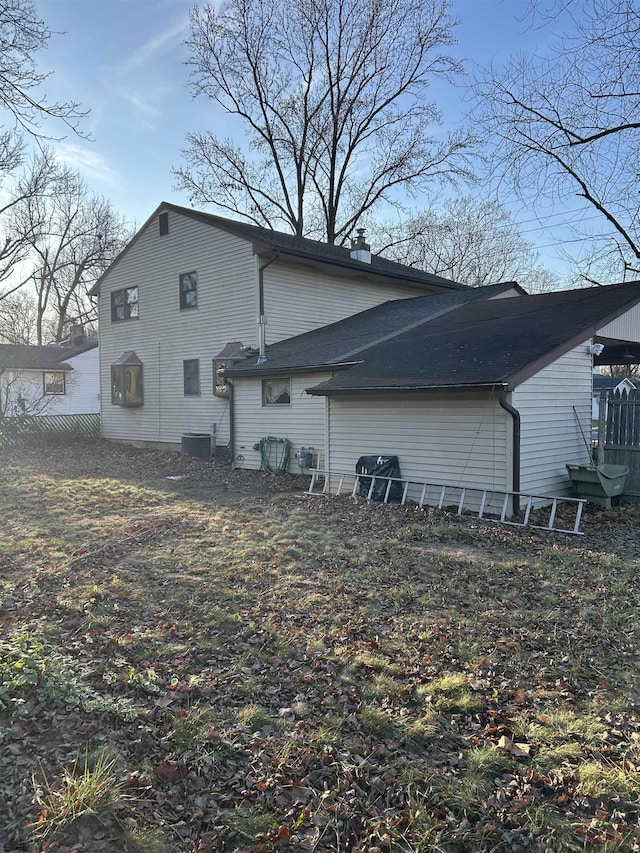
[413,389]
[618,354]
[262,247]
[355,268]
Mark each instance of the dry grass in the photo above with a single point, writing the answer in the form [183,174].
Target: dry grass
[277,672]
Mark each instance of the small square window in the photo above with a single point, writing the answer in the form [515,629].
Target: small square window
[53,382]
[276,392]
[124,304]
[189,290]
[126,381]
[191,375]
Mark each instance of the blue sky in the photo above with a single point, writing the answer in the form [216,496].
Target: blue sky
[124,60]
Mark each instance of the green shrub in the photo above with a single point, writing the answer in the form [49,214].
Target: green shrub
[32,670]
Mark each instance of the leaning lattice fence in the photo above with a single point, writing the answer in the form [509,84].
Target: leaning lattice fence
[16,430]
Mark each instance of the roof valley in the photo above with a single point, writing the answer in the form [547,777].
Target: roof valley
[341,359]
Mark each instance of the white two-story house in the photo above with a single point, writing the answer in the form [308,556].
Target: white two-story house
[192,291]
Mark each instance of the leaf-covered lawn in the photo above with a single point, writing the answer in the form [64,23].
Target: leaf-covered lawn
[217,663]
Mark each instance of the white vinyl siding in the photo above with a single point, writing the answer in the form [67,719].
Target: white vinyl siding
[164,336]
[625,328]
[302,422]
[550,432]
[81,395]
[299,299]
[455,439]
[21,392]
[82,386]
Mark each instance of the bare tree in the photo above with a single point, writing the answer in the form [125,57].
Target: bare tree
[18,319]
[37,179]
[9,406]
[567,125]
[331,96]
[468,240]
[23,35]
[623,371]
[72,236]
[24,111]
[58,238]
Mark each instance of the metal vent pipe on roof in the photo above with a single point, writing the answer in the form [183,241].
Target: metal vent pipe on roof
[360,249]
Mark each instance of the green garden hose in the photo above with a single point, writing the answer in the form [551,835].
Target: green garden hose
[271,445]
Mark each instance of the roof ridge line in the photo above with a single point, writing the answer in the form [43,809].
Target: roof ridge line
[272,238]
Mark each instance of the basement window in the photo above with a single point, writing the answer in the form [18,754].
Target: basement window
[53,382]
[276,392]
[126,381]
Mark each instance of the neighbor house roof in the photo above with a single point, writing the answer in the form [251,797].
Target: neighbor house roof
[601,382]
[266,241]
[485,343]
[53,357]
[448,341]
[342,343]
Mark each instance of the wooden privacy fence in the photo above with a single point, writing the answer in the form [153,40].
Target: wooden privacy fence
[619,435]
[15,430]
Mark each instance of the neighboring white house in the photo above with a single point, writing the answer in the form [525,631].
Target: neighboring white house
[49,380]
[183,300]
[612,384]
[491,393]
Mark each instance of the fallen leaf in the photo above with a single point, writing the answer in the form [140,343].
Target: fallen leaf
[517,750]
[171,770]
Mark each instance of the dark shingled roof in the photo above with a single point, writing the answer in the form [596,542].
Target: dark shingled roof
[266,241]
[485,343]
[601,382]
[53,357]
[343,342]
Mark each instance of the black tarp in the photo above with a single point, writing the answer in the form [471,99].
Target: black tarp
[382,466]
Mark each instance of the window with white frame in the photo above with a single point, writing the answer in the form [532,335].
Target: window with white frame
[276,392]
[53,382]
